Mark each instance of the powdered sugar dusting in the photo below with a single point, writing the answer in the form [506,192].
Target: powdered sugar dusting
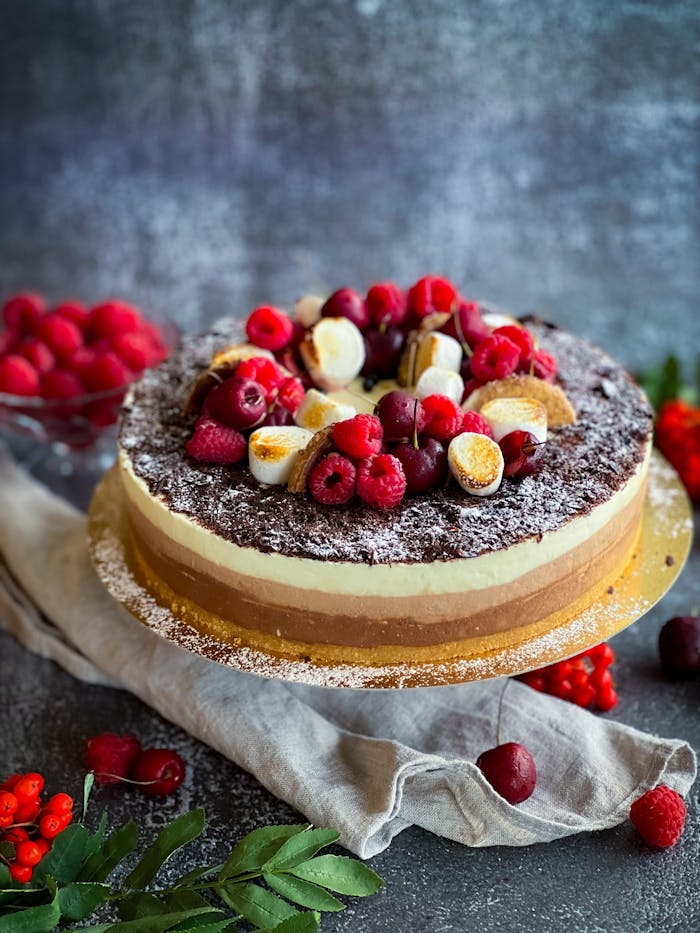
[585,464]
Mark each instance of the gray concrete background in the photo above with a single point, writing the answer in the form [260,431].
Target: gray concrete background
[202,156]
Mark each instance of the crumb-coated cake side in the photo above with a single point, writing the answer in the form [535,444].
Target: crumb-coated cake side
[421,579]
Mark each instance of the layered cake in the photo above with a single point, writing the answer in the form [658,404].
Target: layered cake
[289,551]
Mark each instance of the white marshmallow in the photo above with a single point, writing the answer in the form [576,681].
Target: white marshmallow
[476,462]
[516,414]
[334,352]
[307,310]
[437,349]
[494,319]
[438,381]
[272,452]
[318,411]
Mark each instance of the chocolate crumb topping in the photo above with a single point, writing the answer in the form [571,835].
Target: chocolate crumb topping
[585,464]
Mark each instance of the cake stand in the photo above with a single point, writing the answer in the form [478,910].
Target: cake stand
[666,537]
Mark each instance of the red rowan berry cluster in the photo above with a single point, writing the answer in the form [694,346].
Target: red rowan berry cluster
[28,824]
[584,679]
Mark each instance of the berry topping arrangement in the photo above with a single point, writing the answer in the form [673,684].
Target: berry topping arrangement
[379,397]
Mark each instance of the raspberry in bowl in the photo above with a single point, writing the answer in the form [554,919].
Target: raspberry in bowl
[64,370]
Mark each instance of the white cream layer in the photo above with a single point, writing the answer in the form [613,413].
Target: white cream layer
[448,576]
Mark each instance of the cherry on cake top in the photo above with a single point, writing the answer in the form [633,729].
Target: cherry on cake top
[298,377]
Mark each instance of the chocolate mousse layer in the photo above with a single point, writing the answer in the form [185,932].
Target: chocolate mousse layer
[584,465]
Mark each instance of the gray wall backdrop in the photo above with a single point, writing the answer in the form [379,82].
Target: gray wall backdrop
[202,156]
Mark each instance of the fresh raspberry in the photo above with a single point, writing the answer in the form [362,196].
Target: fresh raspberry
[73,311]
[111,756]
[387,305]
[521,338]
[475,423]
[213,442]
[106,371]
[332,481]
[291,394]
[678,439]
[542,365]
[18,376]
[136,350]
[21,312]
[445,418]
[381,481]
[102,412]
[60,335]
[432,294]
[8,342]
[38,354]
[269,328]
[112,318]
[466,325]
[61,383]
[659,816]
[359,437]
[266,373]
[494,358]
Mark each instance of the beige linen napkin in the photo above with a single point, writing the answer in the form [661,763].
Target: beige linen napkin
[368,763]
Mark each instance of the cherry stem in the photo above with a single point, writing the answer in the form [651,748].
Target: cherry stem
[415,425]
[460,333]
[126,780]
[500,711]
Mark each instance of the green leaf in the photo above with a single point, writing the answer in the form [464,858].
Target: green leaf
[140,904]
[341,874]
[181,831]
[79,899]
[41,919]
[5,876]
[303,892]
[97,838]
[260,907]
[662,382]
[117,846]
[145,924]
[204,925]
[257,847]
[87,787]
[191,876]
[7,849]
[185,900]
[302,923]
[66,856]
[300,848]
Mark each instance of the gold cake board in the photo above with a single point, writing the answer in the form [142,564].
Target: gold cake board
[666,538]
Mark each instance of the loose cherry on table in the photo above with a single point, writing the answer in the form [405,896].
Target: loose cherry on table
[510,770]
[679,647]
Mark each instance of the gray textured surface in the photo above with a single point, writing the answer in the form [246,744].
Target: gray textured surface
[202,156]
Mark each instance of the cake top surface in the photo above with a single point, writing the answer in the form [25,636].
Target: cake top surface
[584,465]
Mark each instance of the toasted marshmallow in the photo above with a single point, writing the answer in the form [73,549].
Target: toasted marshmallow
[436,349]
[234,354]
[516,414]
[318,411]
[494,319]
[476,462]
[307,310]
[334,352]
[272,452]
[438,381]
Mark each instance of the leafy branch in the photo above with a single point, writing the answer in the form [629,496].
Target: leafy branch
[664,383]
[269,875]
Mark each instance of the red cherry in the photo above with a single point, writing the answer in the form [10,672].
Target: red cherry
[401,414]
[111,756]
[347,303]
[522,453]
[425,466]
[467,325]
[679,647]
[510,770]
[277,416]
[383,351]
[238,403]
[161,769]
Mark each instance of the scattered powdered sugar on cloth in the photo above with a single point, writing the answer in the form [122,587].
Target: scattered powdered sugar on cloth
[584,465]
